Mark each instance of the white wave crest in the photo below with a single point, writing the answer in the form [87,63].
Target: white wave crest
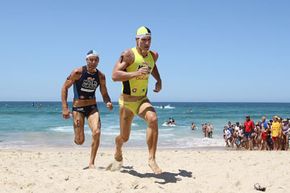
[165,124]
[164,107]
[63,129]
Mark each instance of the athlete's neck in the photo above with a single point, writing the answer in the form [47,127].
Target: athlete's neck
[143,53]
[91,70]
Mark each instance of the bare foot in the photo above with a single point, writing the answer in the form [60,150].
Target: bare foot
[118,156]
[115,166]
[154,167]
[92,166]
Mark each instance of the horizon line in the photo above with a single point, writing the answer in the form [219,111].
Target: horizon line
[159,101]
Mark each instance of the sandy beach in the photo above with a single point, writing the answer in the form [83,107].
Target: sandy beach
[197,171]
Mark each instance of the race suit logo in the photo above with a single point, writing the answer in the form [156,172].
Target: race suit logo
[89,85]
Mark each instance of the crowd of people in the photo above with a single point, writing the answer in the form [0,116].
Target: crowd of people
[263,135]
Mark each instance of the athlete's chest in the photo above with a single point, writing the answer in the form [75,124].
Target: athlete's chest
[88,81]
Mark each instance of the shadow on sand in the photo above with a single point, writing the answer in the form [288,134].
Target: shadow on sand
[168,177]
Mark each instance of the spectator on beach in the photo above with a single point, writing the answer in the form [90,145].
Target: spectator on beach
[249,129]
[285,134]
[264,123]
[230,127]
[237,126]
[276,132]
[228,137]
[256,136]
[264,135]
[264,128]
[270,144]
[241,135]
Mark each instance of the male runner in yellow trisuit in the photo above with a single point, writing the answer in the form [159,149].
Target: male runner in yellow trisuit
[133,70]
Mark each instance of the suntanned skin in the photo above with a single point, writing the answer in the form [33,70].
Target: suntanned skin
[78,118]
[146,110]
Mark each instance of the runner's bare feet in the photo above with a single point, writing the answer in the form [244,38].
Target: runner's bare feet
[117,163]
[154,167]
[118,155]
[115,166]
[92,166]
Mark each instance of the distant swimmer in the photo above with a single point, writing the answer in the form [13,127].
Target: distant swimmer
[193,126]
[133,69]
[169,123]
[85,81]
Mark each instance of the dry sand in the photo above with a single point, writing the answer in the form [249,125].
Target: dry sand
[209,171]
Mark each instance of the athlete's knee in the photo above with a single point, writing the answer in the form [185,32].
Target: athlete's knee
[125,138]
[79,140]
[152,118]
[96,132]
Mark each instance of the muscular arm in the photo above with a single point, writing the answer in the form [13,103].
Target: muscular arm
[126,59]
[75,75]
[119,73]
[103,88]
[155,73]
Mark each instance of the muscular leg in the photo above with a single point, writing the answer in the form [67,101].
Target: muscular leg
[147,112]
[95,125]
[126,118]
[78,119]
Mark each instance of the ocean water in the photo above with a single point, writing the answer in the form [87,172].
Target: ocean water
[40,124]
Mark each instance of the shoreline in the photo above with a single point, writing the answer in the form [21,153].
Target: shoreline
[162,148]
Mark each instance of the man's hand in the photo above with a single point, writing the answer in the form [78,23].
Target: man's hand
[65,113]
[109,105]
[158,86]
[143,71]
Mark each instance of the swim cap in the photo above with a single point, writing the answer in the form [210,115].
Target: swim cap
[92,53]
[143,31]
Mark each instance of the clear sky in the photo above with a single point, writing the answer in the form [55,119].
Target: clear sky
[209,50]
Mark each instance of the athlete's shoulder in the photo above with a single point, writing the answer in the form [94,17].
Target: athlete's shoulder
[128,56]
[75,74]
[154,55]
[78,70]
[101,74]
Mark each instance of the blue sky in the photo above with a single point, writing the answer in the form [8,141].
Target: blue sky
[210,51]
